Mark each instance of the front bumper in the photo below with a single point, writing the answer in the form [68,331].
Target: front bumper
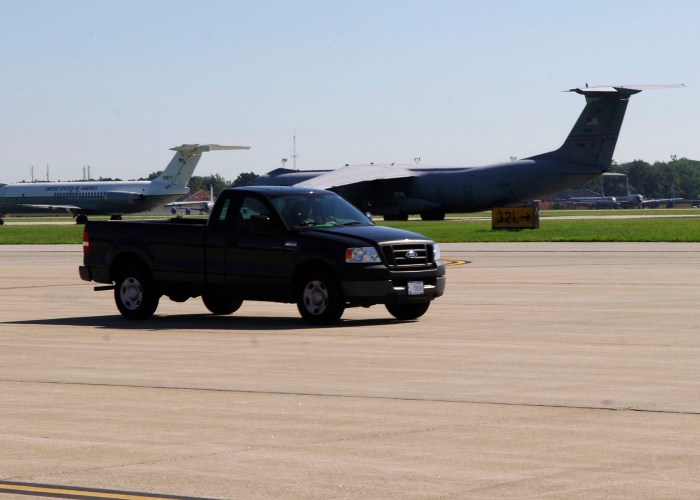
[391,291]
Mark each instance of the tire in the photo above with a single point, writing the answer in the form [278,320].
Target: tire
[221,304]
[320,299]
[434,215]
[408,311]
[135,293]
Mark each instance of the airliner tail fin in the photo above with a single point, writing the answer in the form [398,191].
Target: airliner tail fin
[181,167]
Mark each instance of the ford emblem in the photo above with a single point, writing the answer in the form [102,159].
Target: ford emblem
[411,254]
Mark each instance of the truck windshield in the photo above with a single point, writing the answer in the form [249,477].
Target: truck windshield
[318,209]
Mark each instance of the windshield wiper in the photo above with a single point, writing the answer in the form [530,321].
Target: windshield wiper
[329,223]
[311,223]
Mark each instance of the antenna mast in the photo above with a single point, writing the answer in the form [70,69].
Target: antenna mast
[294,151]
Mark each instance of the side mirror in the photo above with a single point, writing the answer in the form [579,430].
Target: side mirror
[260,223]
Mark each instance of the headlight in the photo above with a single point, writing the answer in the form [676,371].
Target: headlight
[436,252]
[364,255]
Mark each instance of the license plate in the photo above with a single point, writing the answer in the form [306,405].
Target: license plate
[415,288]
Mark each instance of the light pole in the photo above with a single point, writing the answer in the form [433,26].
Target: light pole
[673,179]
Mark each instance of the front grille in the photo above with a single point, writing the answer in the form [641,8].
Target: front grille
[414,255]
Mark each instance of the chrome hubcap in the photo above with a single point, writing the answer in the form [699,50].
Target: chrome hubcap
[131,293]
[315,297]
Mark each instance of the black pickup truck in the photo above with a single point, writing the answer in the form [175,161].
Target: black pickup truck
[278,244]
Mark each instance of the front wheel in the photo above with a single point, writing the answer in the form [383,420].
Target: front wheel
[408,311]
[320,299]
[221,304]
[135,294]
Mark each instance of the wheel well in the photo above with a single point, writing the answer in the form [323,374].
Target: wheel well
[308,267]
[127,260]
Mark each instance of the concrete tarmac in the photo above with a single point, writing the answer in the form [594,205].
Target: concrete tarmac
[547,370]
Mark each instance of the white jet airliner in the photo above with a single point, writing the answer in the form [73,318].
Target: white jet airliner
[105,197]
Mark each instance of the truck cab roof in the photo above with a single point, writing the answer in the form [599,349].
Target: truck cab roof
[278,190]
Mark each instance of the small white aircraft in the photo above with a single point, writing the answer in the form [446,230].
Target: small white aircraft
[203,207]
[106,197]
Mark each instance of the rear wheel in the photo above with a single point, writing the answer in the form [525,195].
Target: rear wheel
[408,311]
[135,293]
[221,304]
[320,299]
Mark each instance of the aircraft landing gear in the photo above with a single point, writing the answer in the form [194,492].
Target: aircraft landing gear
[433,215]
[81,219]
[396,217]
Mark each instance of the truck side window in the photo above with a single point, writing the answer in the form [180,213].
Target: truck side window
[223,212]
[253,206]
[252,215]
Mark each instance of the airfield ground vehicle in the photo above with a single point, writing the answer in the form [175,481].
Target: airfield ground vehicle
[280,244]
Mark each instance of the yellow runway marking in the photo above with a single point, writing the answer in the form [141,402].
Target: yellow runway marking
[456,262]
[51,491]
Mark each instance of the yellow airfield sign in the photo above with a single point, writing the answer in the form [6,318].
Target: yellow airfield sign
[515,218]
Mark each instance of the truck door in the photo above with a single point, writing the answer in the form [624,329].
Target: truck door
[218,234]
[256,256]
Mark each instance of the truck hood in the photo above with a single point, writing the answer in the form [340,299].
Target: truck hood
[365,234]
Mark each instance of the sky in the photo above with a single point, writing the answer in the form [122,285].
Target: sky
[115,84]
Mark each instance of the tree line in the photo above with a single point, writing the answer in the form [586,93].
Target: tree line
[678,178]
[216,182]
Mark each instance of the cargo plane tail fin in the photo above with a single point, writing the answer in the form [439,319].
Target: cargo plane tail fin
[592,140]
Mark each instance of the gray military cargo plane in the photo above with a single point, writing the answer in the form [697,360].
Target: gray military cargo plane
[396,191]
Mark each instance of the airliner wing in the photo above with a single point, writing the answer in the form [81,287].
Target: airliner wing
[186,203]
[354,174]
[68,208]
